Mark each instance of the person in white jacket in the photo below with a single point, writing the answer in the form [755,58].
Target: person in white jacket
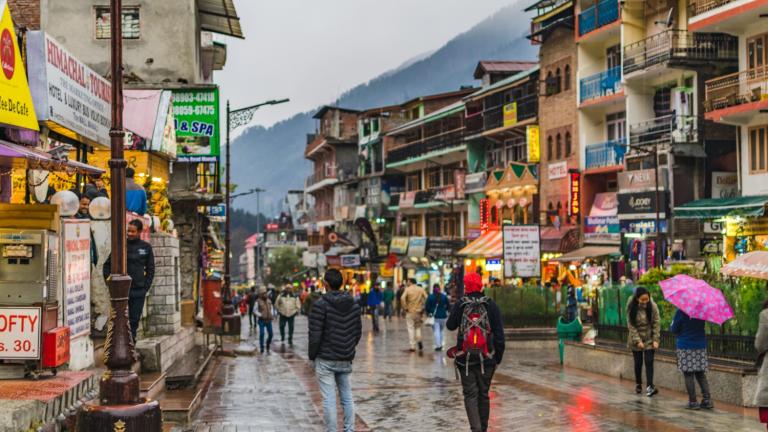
[288,306]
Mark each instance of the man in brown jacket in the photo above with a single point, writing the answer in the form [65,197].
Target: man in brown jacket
[412,301]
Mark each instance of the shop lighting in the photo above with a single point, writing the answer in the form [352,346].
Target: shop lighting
[434,266]
[157,180]
[467,262]
[572,267]
[440,263]
[414,259]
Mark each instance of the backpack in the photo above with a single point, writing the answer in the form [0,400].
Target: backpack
[475,332]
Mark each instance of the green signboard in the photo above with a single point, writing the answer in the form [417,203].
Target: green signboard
[196,112]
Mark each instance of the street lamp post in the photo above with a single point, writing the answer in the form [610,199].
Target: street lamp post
[120,407]
[230,321]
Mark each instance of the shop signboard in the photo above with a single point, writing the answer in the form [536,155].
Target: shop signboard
[350,261]
[533,143]
[712,246]
[459,179]
[332,261]
[20,333]
[417,246]
[713,227]
[164,136]
[16,108]
[399,245]
[445,193]
[475,183]
[522,251]
[196,112]
[557,170]
[444,247]
[76,276]
[510,114]
[493,264]
[641,205]
[217,210]
[746,227]
[642,226]
[725,184]
[602,229]
[638,181]
[574,194]
[71,98]
[407,199]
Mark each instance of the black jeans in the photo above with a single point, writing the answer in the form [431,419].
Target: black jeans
[641,357]
[135,308]
[690,386]
[283,321]
[475,385]
[251,317]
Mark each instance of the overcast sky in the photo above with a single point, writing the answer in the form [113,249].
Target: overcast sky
[311,51]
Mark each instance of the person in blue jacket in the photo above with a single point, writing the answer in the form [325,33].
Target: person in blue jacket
[692,357]
[437,307]
[374,300]
[135,195]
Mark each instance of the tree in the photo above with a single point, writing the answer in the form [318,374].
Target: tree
[283,263]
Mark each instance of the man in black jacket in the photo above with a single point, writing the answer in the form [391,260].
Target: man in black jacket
[141,269]
[335,328]
[476,377]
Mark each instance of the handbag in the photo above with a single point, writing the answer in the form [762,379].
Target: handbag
[430,321]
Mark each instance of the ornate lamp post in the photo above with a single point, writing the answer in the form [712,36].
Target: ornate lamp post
[230,321]
[119,407]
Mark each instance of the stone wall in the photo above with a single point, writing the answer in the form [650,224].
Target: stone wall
[189,227]
[158,353]
[163,309]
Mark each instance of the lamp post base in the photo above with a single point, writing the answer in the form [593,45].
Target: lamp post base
[142,417]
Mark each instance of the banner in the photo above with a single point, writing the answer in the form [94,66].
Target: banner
[510,114]
[399,245]
[522,251]
[642,205]
[196,113]
[602,229]
[534,145]
[16,108]
[76,276]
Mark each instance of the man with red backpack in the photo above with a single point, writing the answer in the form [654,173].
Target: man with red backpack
[479,348]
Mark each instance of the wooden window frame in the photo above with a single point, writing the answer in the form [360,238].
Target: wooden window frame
[754,159]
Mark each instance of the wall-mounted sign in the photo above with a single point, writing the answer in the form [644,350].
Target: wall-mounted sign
[76,276]
[642,205]
[16,108]
[574,194]
[637,181]
[399,245]
[407,199]
[493,264]
[557,170]
[522,251]
[20,333]
[71,98]
[459,179]
[350,260]
[217,210]
[713,227]
[725,184]
[417,246]
[602,229]
[164,136]
[196,113]
[510,114]
[642,226]
[534,145]
[746,227]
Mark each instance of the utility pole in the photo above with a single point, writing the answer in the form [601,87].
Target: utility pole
[120,407]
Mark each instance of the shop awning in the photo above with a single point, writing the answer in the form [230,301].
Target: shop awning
[582,254]
[721,207]
[488,245]
[219,16]
[561,240]
[17,156]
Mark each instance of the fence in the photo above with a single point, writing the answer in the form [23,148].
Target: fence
[610,153]
[601,84]
[529,306]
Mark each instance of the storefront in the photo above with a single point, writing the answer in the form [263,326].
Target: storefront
[486,254]
[643,243]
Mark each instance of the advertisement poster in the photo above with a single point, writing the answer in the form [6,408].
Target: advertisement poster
[534,145]
[417,246]
[725,184]
[20,333]
[522,251]
[196,113]
[350,260]
[15,100]
[76,276]
[399,245]
[510,114]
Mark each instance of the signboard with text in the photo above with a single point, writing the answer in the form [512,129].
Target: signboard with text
[76,276]
[725,184]
[510,114]
[534,145]
[16,108]
[602,229]
[417,246]
[196,112]
[642,205]
[522,251]
[399,245]
[557,170]
[574,194]
[20,333]
[350,260]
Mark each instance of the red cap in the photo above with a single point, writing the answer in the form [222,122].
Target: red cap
[473,282]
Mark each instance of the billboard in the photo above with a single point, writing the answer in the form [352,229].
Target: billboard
[196,113]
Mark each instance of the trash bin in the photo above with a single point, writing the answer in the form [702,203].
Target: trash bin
[567,331]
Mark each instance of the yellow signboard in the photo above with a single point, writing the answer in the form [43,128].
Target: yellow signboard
[510,114]
[534,144]
[16,107]
[746,227]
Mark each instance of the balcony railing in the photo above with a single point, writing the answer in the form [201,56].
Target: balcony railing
[668,129]
[331,171]
[679,47]
[493,117]
[599,15]
[443,141]
[737,89]
[698,7]
[600,84]
[607,154]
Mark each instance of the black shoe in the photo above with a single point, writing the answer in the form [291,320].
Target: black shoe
[707,404]
[638,388]
[421,346]
[692,406]
[439,348]
[651,390]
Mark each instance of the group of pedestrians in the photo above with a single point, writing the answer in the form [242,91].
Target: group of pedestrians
[263,306]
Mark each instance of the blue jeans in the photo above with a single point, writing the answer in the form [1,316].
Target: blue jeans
[388,310]
[262,326]
[332,374]
[437,331]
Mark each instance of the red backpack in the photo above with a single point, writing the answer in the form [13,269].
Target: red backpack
[475,332]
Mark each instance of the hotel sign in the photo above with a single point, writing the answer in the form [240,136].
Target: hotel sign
[557,170]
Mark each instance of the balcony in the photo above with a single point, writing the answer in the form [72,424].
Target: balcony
[666,130]
[599,85]
[680,48]
[599,15]
[607,154]
[740,88]
[729,16]
[420,148]
[328,175]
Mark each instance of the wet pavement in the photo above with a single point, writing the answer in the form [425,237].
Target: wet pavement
[396,390]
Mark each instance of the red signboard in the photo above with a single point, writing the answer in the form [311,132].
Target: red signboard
[272,227]
[574,189]
[484,216]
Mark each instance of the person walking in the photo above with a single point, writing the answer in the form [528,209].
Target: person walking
[398,299]
[572,305]
[375,298]
[412,301]
[252,298]
[288,305]
[264,315]
[135,195]
[437,308]
[335,328]
[479,348]
[692,360]
[644,325]
[141,268]
[389,299]
[761,345]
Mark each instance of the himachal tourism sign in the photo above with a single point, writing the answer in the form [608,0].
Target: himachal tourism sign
[16,107]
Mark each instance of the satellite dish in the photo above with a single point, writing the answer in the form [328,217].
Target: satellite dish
[670,19]
[38,181]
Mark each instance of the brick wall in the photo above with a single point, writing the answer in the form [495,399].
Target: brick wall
[25,13]
[163,310]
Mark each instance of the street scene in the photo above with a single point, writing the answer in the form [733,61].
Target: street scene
[353,215]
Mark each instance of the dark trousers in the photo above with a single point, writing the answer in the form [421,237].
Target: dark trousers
[690,386]
[283,321]
[251,317]
[135,308]
[388,311]
[641,357]
[475,385]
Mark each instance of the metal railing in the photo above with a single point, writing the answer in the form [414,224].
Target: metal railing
[679,47]
[667,129]
[599,15]
[444,141]
[609,153]
[736,89]
[493,117]
[600,84]
[332,171]
[698,7]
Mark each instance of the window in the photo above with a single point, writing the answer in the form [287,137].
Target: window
[494,158]
[442,225]
[516,150]
[414,225]
[757,149]
[448,175]
[550,84]
[567,78]
[756,51]
[613,56]
[433,178]
[559,146]
[130,22]
[567,144]
[549,148]
[616,126]
[412,183]
[558,81]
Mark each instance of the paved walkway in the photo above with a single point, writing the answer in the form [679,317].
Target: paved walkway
[396,390]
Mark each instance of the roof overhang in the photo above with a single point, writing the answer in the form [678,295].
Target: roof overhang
[219,16]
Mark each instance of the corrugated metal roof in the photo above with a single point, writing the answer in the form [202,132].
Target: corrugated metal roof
[502,66]
[503,83]
[220,16]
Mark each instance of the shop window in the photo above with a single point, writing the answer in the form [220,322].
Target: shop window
[130,21]
[568,144]
[559,146]
[549,148]
[567,78]
[757,149]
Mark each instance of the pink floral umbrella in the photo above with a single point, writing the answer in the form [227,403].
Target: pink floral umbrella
[697,299]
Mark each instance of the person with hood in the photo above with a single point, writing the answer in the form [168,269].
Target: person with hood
[691,350]
[412,301]
[288,305]
[135,195]
[374,303]
[572,305]
[389,299]
[265,316]
[437,307]
[141,269]
[335,327]
[644,325]
[476,373]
